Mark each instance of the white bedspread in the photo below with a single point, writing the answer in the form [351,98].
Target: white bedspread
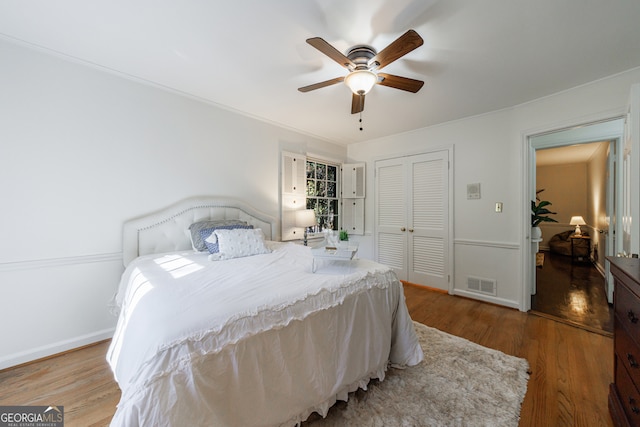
[252,341]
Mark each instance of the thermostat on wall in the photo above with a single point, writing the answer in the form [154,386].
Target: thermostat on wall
[473,191]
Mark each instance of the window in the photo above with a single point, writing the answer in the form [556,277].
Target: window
[322,194]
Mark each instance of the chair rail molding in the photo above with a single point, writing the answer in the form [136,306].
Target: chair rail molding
[487,243]
[59,262]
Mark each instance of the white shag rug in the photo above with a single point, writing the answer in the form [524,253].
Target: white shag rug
[459,383]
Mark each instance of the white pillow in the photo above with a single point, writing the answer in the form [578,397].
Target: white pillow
[240,242]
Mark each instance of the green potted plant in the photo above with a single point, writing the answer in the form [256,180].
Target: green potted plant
[539,214]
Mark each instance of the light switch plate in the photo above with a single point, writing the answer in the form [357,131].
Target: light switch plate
[499,207]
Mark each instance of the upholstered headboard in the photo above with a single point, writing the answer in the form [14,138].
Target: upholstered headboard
[168,229]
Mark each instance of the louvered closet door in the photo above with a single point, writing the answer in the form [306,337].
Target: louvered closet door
[412,217]
[391,214]
[428,220]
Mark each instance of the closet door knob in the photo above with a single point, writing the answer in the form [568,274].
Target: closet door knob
[411,230]
[403,229]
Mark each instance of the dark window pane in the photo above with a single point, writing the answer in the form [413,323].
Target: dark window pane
[321,223]
[330,221]
[333,207]
[331,189]
[311,203]
[322,194]
[322,206]
[331,173]
[311,187]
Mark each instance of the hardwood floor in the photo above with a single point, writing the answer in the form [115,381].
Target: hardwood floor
[570,368]
[572,292]
[80,380]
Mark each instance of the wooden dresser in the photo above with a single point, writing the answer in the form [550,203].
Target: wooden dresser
[624,392]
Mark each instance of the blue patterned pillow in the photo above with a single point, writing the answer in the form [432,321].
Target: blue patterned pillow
[210,239]
[194,230]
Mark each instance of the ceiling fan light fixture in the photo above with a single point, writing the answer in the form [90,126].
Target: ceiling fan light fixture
[361,81]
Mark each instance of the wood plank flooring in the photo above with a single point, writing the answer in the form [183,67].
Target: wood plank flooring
[572,292]
[571,368]
[80,380]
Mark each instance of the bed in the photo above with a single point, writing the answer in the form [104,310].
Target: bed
[216,339]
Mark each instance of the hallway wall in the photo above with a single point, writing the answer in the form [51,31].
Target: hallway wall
[597,175]
[577,189]
[565,186]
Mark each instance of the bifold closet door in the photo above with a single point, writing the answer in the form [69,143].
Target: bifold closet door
[427,222]
[391,215]
[412,217]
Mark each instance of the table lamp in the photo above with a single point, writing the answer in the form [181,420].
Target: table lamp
[577,221]
[305,218]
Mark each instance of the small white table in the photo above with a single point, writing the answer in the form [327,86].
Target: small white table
[336,253]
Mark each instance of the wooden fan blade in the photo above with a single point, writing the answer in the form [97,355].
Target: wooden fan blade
[330,51]
[397,82]
[357,103]
[400,47]
[321,84]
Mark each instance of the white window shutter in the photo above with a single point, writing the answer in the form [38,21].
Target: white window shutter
[353,216]
[294,181]
[294,173]
[353,193]
[290,204]
[353,180]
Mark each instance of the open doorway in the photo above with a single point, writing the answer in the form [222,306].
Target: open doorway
[570,264]
[605,130]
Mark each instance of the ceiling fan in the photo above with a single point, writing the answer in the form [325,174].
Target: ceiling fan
[364,63]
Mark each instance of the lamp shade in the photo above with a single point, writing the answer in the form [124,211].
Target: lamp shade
[361,81]
[577,220]
[305,218]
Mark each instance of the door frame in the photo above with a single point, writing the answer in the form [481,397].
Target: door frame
[607,126]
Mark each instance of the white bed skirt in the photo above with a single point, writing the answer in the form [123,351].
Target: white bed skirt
[370,330]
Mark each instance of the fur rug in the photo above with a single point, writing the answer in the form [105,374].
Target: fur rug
[459,383]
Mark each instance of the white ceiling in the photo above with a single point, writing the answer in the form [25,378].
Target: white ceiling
[250,55]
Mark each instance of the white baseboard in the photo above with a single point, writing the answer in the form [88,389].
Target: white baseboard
[54,348]
[487,298]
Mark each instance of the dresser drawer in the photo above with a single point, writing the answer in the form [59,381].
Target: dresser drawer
[627,308]
[628,353]
[629,395]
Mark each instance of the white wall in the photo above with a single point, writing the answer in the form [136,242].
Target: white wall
[83,150]
[597,202]
[490,149]
[566,187]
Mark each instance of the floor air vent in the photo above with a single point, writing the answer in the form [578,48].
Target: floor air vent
[482,286]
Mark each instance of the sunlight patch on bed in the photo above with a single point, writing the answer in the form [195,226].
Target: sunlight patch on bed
[140,286]
[178,266]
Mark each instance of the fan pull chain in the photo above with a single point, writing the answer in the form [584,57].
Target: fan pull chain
[360,121]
